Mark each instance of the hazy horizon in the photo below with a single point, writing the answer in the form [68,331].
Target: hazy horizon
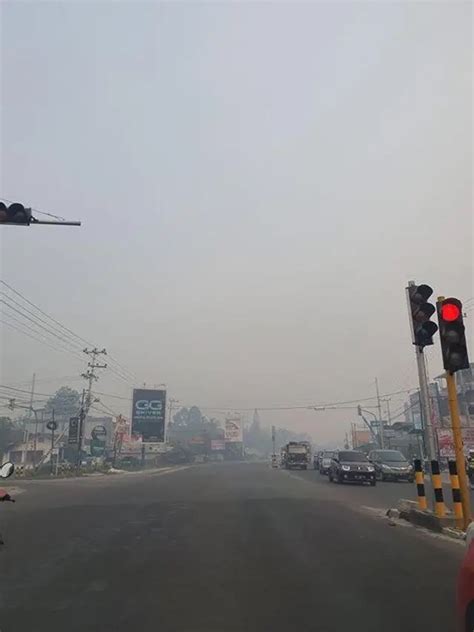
[256,183]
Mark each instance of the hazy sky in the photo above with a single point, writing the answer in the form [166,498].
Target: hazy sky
[256,182]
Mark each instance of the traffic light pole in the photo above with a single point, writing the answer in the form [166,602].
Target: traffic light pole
[430,446]
[458,448]
[379,407]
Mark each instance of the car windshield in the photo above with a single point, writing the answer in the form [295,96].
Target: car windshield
[352,456]
[329,455]
[390,455]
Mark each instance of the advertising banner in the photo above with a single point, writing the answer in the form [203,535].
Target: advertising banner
[131,445]
[446,443]
[233,430]
[98,438]
[148,414]
[217,444]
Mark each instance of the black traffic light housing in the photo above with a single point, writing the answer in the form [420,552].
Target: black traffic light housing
[16,214]
[423,329]
[452,335]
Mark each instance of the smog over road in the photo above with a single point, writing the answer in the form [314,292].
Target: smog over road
[236,304]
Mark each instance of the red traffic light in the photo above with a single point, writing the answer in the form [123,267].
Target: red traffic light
[450,312]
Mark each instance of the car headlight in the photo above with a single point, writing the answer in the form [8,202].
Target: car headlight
[386,468]
[370,469]
[346,468]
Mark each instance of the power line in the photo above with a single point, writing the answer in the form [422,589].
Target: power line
[70,333]
[40,333]
[22,390]
[275,408]
[35,320]
[27,333]
[62,378]
[105,408]
[68,341]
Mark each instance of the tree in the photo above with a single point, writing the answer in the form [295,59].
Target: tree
[65,402]
[9,434]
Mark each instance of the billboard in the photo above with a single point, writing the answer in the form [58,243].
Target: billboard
[73,436]
[148,414]
[233,430]
[446,443]
[130,445]
[360,437]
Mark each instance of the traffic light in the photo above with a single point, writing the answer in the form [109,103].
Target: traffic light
[16,213]
[452,335]
[423,329]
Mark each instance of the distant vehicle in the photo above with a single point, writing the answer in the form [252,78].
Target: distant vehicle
[391,465]
[350,466]
[296,455]
[465,586]
[324,461]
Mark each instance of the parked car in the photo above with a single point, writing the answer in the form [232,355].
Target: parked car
[465,586]
[391,465]
[324,462]
[351,466]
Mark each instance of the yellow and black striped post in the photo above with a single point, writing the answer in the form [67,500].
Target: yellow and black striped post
[440,509]
[420,484]
[457,504]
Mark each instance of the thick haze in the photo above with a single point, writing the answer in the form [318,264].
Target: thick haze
[256,182]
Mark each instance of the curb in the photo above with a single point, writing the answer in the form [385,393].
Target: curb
[408,510]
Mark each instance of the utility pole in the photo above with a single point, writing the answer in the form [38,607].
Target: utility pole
[425,404]
[379,407]
[32,394]
[53,428]
[35,442]
[86,401]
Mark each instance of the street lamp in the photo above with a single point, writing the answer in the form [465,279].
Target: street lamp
[368,412]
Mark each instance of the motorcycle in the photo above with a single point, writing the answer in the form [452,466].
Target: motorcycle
[6,470]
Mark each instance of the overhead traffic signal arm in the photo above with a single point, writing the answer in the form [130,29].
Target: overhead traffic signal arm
[452,334]
[423,329]
[17,215]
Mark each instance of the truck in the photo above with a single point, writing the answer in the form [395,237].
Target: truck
[296,454]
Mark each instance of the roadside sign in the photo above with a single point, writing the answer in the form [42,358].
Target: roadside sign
[99,432]
[51,425]
[148,414]
[73,430]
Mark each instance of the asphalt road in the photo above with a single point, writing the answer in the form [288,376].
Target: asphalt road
[217,548]
[388,493]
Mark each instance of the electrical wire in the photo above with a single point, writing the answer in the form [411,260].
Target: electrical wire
[22,390]
[69,333]
[276,408]
[27,333]
[69,343]
[35,320]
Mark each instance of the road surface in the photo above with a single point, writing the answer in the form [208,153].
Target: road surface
[388,493]
[217,548]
